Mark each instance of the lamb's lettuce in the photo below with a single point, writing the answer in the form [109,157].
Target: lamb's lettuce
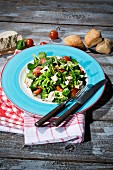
[55,72]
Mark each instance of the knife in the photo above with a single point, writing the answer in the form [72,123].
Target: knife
[58,109]
[80,102]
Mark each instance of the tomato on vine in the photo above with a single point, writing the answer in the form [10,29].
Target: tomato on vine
[53,34]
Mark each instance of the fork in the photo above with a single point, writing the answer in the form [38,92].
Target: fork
[58,109]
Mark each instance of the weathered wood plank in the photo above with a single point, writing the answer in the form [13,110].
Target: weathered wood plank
[103,110]
[40,32]
[60,5]
[79,13]
[50,165]
[98,150]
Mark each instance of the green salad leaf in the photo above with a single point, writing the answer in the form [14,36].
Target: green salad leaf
[30,75]
[42,55]
[56,76]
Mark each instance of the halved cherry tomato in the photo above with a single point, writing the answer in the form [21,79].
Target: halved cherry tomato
[42,43]
[59,88]
[66,58]
[36,70]
[29,42]
[38,91]
[53,34]
[73,92]
[61,70]
[42,60]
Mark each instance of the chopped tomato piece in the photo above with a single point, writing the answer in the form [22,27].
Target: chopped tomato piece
[42,60]
[73,92]
[59,88]
[66,58]
[36,70]
[38,91]
[62,70]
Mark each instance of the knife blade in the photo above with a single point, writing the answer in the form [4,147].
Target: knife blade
[80,102]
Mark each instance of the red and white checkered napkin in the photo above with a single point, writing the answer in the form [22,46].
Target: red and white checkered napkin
[11,118]
[50,134]
[14,120]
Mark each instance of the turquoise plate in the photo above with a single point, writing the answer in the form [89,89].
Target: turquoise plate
[12,73]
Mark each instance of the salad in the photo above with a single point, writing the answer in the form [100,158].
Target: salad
[54,79]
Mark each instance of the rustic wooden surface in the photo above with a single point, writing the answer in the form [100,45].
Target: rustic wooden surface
[35,19]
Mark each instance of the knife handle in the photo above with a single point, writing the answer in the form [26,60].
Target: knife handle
[58,121]
[52,113]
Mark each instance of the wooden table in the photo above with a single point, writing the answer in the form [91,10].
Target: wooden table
[35,19]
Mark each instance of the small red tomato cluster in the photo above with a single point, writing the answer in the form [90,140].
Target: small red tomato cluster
[53,34]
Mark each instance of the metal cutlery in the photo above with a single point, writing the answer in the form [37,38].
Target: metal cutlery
[81,100]
[58,109]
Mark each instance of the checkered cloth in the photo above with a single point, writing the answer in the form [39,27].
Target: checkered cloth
[13,119]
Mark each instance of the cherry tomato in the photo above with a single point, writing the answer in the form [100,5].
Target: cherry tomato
[29,42]
[66,58]
[53,34]
[42,43]
[38,91]
[73,92]
[36,70]
[59,88]
[42,60]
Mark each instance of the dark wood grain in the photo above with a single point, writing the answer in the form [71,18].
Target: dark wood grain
[51,165]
